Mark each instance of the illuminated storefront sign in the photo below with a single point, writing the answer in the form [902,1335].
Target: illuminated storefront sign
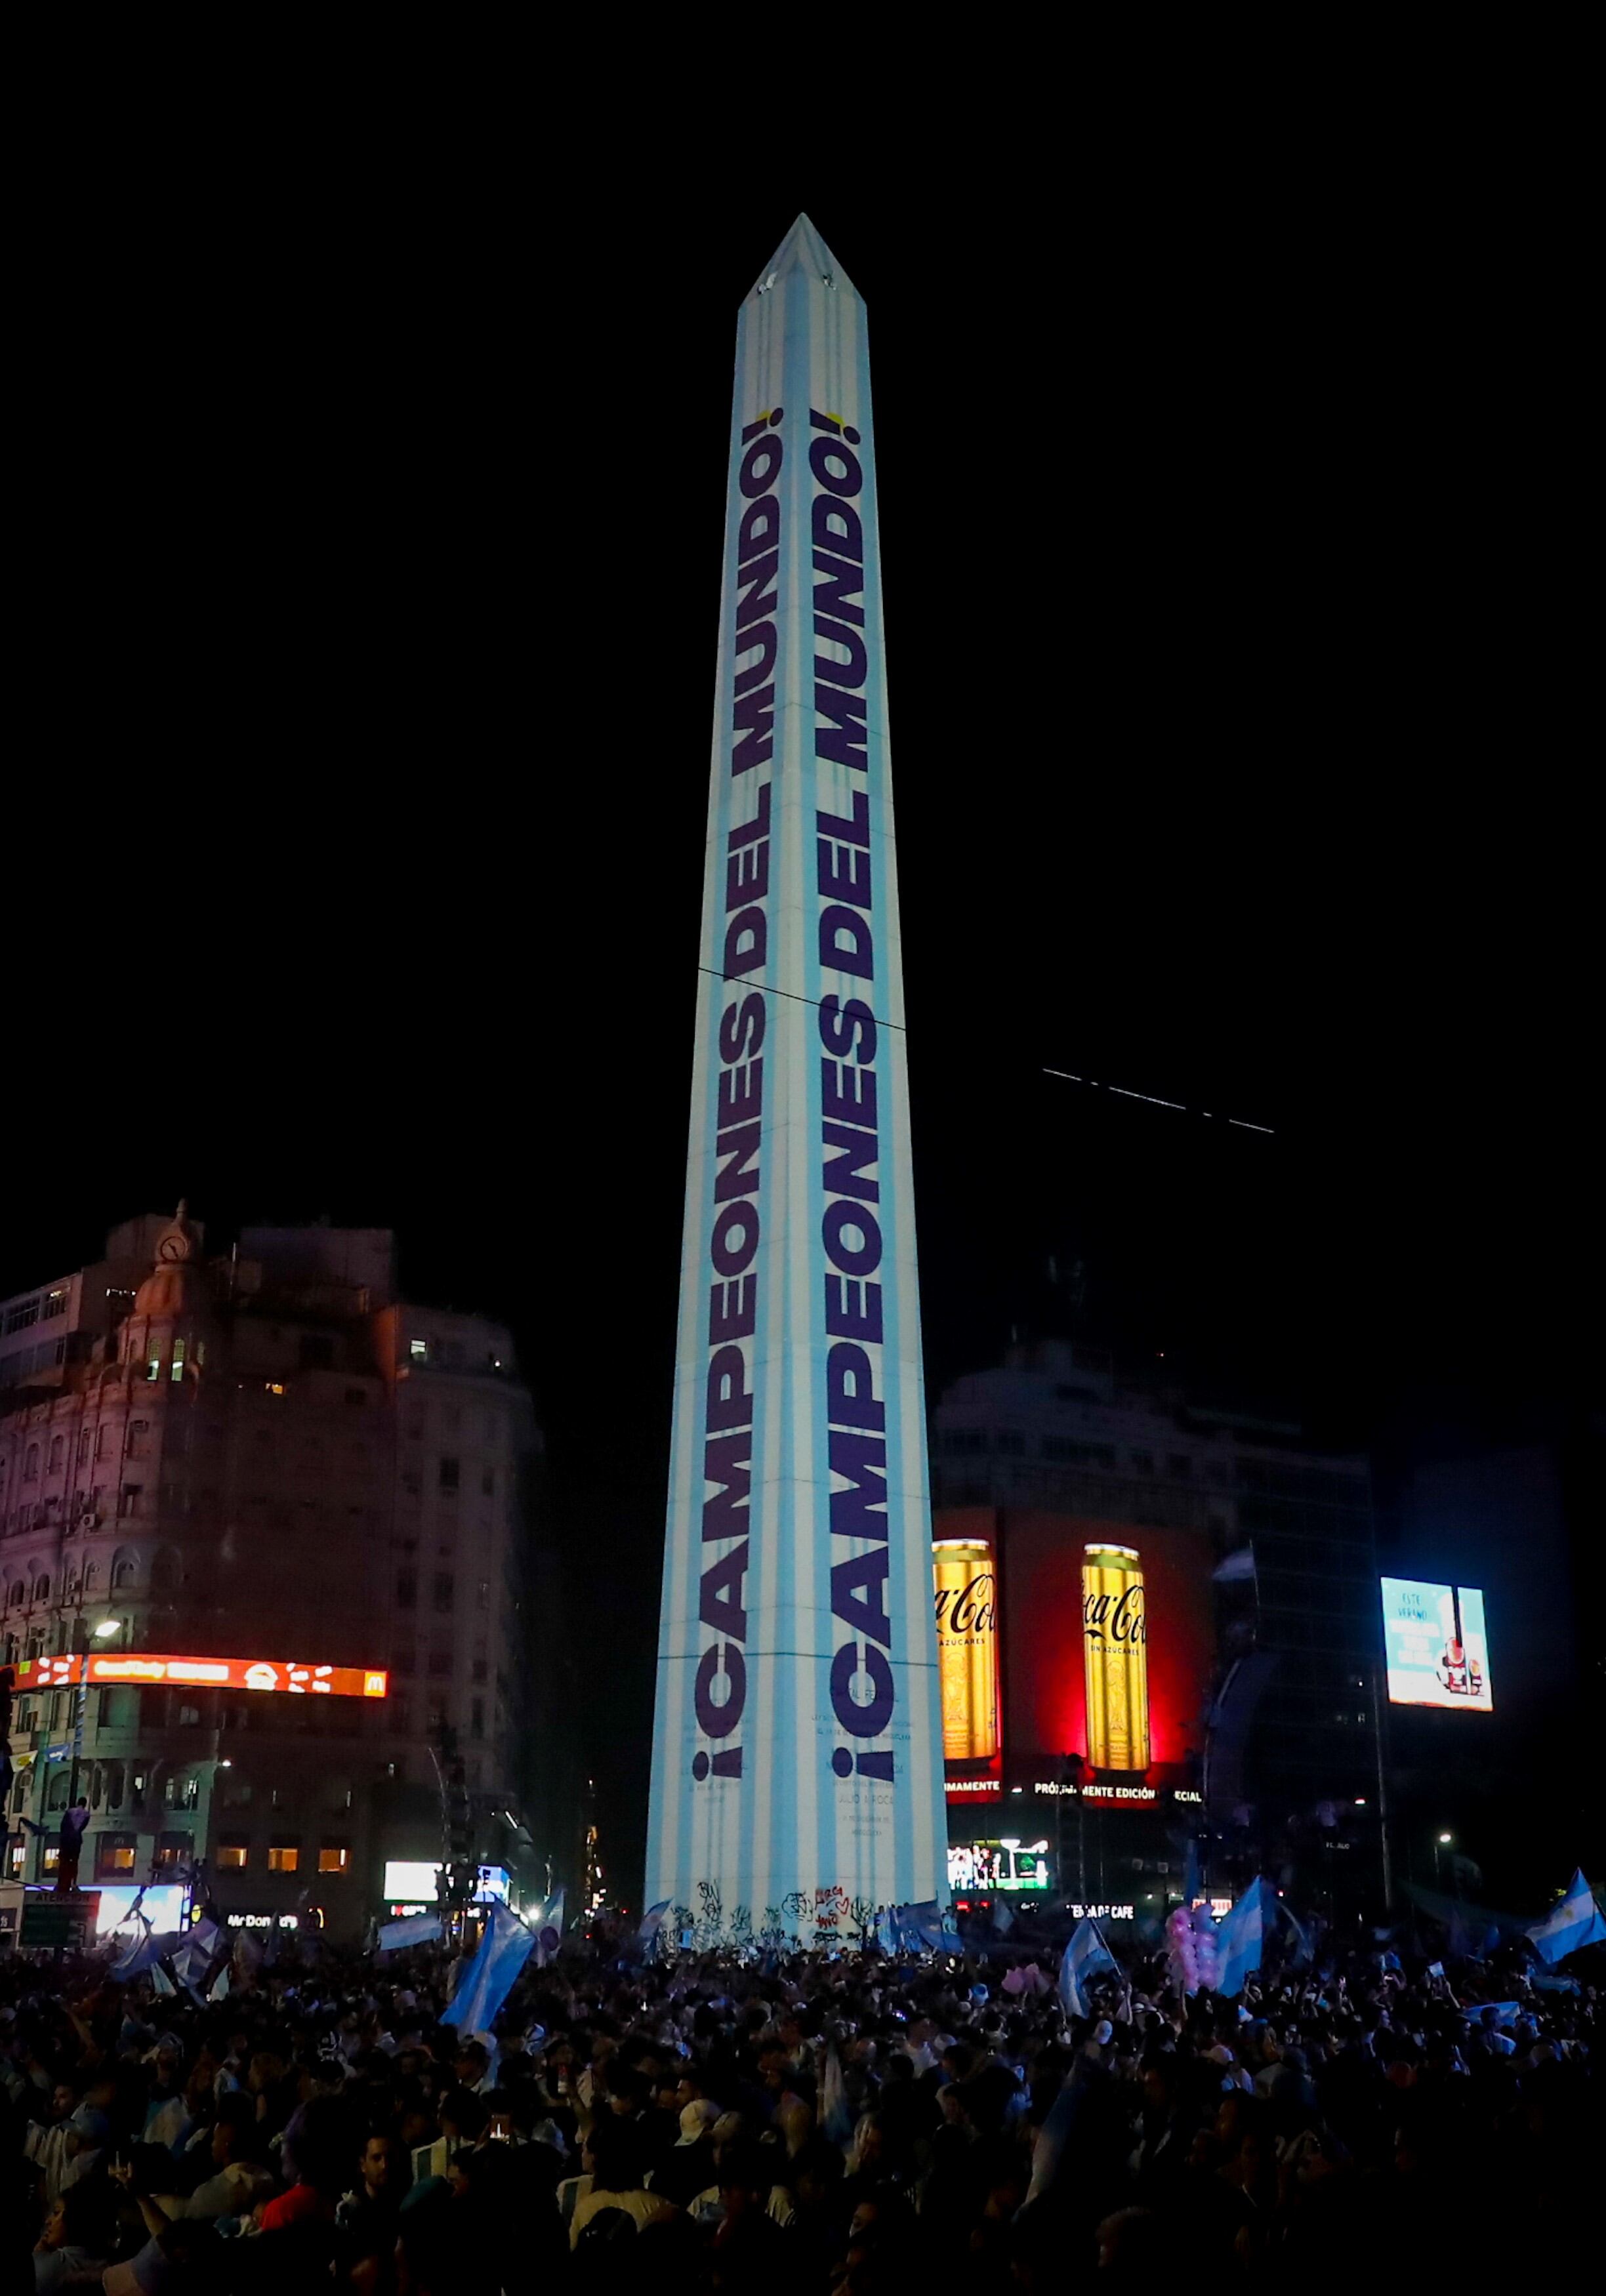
[1435,1645]
[296,1677]
[966,1605]
[1112,1794]
[796,1754]
[1103,1913]
[998,1866]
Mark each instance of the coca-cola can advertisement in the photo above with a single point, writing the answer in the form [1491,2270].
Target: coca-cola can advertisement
[964,1586]
[1101,1652]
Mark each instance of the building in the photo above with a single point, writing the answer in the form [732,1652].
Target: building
[270,1456]
[1255,1558]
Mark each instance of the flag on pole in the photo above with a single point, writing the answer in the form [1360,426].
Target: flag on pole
[1084,1958]
[1575,1921]
[1004,1920]
[489,1978]
[1239,1940]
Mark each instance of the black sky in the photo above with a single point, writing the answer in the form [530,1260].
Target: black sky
[1235,635]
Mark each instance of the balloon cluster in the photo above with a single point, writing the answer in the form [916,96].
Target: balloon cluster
[1191,1947]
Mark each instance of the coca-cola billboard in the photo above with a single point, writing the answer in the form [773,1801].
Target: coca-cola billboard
[1100,1647]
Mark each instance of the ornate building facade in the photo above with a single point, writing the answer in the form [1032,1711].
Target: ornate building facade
[269,1456]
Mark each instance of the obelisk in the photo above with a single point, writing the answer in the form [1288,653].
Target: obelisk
[796,1770]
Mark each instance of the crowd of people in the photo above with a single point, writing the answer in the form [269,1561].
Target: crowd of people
[828,2123]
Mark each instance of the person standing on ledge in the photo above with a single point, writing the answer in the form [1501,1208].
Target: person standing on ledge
[75,1825]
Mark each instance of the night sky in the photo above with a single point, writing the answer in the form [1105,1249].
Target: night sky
[1233,632]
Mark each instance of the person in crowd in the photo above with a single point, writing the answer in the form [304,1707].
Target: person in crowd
[614,2162]
[75,2246]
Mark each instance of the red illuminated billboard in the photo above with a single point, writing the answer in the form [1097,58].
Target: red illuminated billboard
[296,1675]
[1106,1646]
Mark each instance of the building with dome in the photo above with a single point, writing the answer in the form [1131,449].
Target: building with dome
[268,1455]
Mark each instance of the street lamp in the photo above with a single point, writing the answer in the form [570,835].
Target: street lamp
[107,1628]
[1440,1844]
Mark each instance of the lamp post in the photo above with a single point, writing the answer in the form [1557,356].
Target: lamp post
[80,1695]
[1441,1843]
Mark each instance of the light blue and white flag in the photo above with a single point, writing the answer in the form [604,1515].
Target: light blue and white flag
[1084,1958]
[1241,1938]
[146,1952]
[1575,1921]
[412,1928]
[489,1978]
[886,1929]
[927,1927]
[1004,1920]
[652,1921]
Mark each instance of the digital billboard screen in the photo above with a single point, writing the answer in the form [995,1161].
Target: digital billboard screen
[1435,1645]
[998,1866]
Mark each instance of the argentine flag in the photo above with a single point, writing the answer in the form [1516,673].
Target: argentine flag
[928,1928]
[1575,1921]
[1084,1958]
[1241,1938]
[412,1929]
[489,1978]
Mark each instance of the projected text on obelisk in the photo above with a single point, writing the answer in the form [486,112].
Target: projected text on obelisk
[797,1779]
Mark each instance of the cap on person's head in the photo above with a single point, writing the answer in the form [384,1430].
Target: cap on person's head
[1221,2054]
[694,2118]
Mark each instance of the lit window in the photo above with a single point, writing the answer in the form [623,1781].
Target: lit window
[153,1367]
[177,1366]
[333,1860]
[419,1350]
[114,1857]
[231,1857]
[272,1386]
[284,1857]
[51,1859]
